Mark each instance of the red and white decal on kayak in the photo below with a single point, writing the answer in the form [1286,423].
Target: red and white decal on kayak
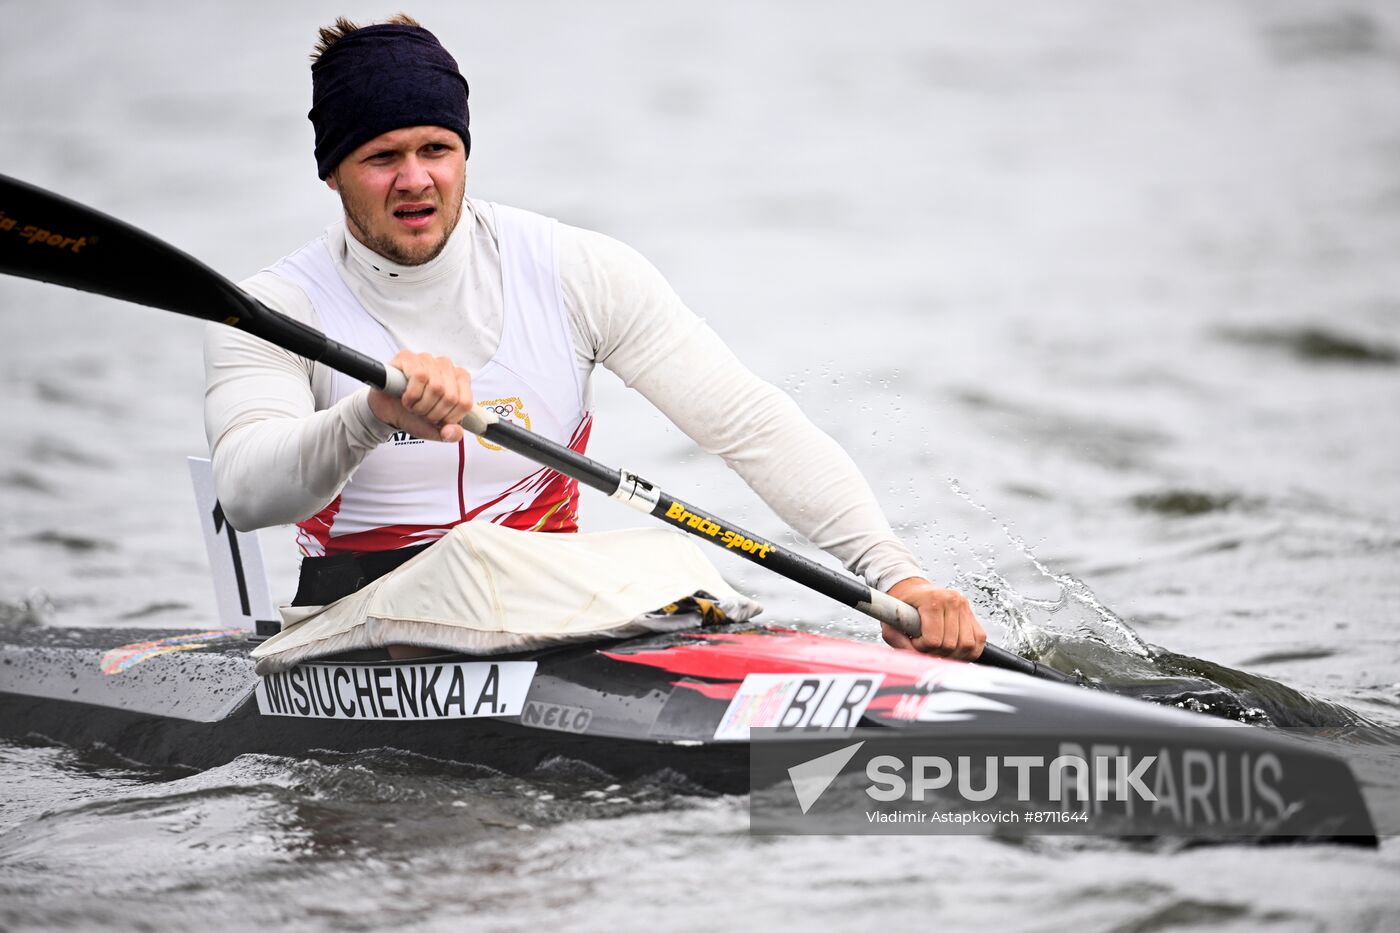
[945,706]
[832,702]
[460,690]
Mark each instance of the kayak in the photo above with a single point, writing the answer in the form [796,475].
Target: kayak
[690,703]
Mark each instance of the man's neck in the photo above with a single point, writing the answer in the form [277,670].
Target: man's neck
[381,268]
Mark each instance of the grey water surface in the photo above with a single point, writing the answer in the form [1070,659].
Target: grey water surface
[1103,297]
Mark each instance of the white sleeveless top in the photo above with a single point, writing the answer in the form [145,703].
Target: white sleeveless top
[410,491]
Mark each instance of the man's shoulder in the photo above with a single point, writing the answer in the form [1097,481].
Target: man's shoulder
[329,244]
[576,241]
[492,214]
[498,219]
[278,285]
[586,251]
[280,294]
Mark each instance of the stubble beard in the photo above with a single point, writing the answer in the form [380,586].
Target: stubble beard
[392,249]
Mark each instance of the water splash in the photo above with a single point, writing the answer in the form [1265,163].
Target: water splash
[1075,632]
[994,594]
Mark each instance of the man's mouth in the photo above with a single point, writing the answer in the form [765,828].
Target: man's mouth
[414,215]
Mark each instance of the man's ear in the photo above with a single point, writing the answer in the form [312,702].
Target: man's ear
[331,182]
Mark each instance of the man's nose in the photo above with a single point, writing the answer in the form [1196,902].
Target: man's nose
[413,175]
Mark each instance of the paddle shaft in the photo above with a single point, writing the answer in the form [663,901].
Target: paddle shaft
[47,237]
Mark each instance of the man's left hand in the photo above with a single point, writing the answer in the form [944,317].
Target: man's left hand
[948,626]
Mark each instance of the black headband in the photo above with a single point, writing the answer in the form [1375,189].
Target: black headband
[383,78]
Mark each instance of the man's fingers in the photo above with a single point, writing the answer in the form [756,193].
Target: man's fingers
[439,402]
[964,643]
[464,396]
[456,402]
[979,635]
[894,637]
[935,627]
[947,623]
[417,372]
[446,395]
[441,398]
[438,396]
[417,382]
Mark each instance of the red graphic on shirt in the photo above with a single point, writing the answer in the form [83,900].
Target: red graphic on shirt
[314,533]
[553,507]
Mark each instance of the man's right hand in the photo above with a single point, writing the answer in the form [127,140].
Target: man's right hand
[439,395]
[947,625]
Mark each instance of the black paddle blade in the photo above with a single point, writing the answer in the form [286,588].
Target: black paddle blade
[47,237]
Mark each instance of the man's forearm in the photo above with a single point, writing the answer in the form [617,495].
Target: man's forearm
[276,459]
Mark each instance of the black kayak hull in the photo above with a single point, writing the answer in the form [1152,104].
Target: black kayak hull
[681,703]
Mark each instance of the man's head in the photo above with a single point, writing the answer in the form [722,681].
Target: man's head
[390,112]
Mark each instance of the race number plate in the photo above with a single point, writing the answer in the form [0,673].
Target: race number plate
[459,690]
[798,701]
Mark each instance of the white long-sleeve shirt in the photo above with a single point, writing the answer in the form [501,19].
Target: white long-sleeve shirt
[282,450]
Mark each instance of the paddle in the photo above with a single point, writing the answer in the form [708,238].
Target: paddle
[47,237]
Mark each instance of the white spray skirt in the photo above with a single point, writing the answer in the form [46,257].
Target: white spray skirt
[484,589]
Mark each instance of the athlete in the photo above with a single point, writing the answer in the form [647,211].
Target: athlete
[516,310]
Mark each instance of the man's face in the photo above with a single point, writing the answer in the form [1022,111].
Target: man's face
[402,192]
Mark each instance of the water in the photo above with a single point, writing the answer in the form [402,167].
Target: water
[1125,270]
